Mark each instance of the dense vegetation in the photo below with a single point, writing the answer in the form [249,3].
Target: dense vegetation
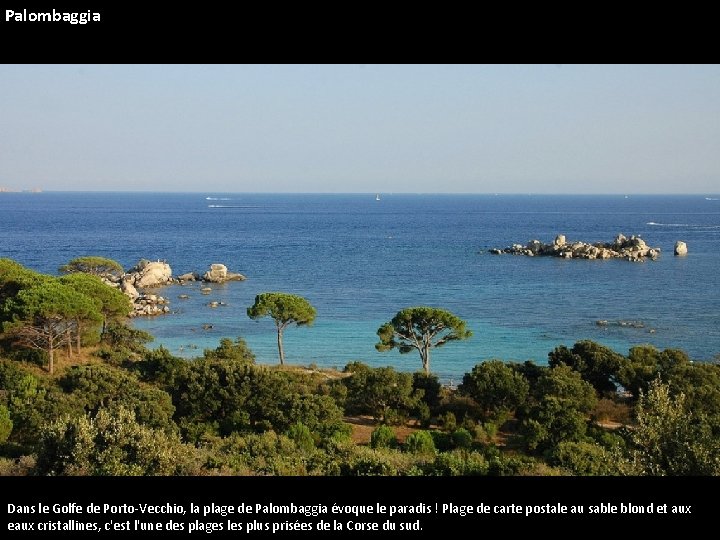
[80,394]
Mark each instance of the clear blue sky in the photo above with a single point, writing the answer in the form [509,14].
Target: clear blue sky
[361,128]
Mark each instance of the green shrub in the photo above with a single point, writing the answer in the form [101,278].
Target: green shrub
[462,438]
[302,436]
[383,437]
[6,424]
[458,463]
[448,421]
[111,443]
[441,440]
[420,442]
[586,459]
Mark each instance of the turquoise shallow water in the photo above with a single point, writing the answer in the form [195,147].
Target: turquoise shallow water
[359,261]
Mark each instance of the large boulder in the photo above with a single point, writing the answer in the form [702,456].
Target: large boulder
[218,273]
[127,287]
[680,248]
[151,274]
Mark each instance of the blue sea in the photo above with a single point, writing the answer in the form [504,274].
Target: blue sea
[359,261]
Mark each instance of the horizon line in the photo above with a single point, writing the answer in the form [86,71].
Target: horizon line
[368,193]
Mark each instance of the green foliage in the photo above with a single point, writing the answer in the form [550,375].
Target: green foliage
[160,367]
[551,422]
[231,350]
[320,413]
[111,444]
[302,436]
[268,454]
[383,437]
[598,365]
[14,277]
[496,387]
[96,266]
[486,432]
[420,442]
[44,316]
[421,328]
[31,402]
[235,396]
[462,438]
[588,459]
[285,309]
[422,411]
[126,337]
[458,463]
[382,392]
[364,461]
[448,421]
[6,424]
[112,303]
[563,400]
[96,387]
[460,406]
[670,439]
[642,367]
[568,386]
[430,386]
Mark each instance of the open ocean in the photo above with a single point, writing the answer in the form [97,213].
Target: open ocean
[359,261]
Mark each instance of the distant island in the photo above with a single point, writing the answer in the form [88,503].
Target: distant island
[10,190]
[632,249]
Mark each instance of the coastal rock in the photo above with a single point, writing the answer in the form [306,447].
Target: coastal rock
[150,274]
[218,273]
[129,289]
[149,305]
[680,248]
[190,276]
[631,249]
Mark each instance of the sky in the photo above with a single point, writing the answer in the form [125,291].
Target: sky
[361,128]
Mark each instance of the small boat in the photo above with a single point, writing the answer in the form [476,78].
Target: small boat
[377,196]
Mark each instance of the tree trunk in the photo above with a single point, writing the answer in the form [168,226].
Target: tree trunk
[68,338]
[280,347]
[51,358]
[425,353]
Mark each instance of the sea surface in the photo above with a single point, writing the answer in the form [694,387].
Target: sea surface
[359,260]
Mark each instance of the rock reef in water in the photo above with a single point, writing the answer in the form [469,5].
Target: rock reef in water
[218,273]
[632,249]
[150,274]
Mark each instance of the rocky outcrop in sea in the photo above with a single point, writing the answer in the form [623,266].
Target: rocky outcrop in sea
[218,273]
[151,274]
[147,274]
[632,249]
